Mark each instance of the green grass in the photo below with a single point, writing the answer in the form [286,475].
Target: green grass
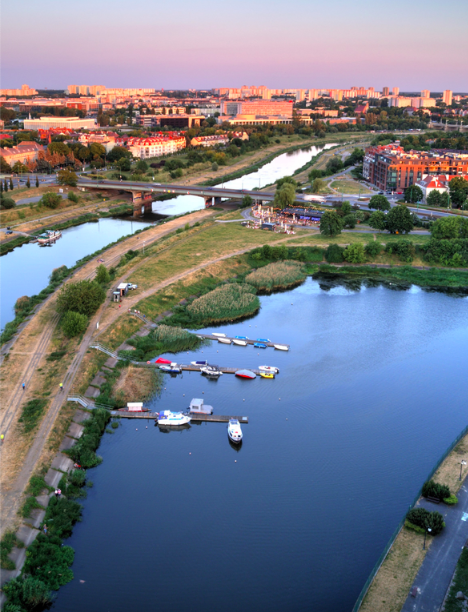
[31,414]
[7,543]
[460,583]
[36,485]
[351,187]
[163,339]
[351,237]
[29,505]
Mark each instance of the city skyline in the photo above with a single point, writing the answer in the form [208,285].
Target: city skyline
[332,46]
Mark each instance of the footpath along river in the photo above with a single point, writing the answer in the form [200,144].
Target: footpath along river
[26,270]
[372,392]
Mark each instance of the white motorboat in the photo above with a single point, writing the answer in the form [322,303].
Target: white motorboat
[269,369]
[239,342]
[211,370]
[281,347]
[219,335]
[166,417]
[198,406]
[224,340]
[234,431]
[171,369]
[199,363]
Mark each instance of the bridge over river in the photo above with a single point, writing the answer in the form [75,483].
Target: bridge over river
[143,193]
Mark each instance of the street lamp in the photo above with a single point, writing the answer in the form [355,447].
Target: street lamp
[425,532]
[462,463]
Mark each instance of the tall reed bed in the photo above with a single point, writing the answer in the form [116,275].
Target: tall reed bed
[225,303]
[278,275]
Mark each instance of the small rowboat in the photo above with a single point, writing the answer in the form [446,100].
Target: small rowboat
[224,340]
[260,345]
[281,347]
[219,335]
[246,374]
[266,375]
[270,369]
[242,337]
[239,342]
[263,340]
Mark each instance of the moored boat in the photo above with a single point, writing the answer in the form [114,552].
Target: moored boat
[239,342]
[271,369]
[263,340]
[260,345]
[197,406]
[281,347]
[219,335]
[234,431]
[246,374]
[242,337]
[211,370]
[166,417]
[161,360]
[171,369]
[199,363]
[224,340]
[266,375]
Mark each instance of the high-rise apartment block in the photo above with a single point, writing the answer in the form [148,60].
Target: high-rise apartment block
[447,97]
[24,91]
[385,91]
[396,91]
[425,93]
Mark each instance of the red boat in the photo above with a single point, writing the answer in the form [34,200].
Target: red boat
[161,360]
[245,374]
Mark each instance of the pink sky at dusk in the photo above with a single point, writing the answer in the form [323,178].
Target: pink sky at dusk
[303,43]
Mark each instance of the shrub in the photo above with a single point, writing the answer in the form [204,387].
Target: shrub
[451,500]
[84,450]
[22,305]
[276,276]
[29,505]
[334,254]
[415,528]
[73,197]
[26,593]
[214,166]
[7,203]
[48,561]
[403,248]
[67,177]
[36,485]
[74,323]
[102,274]
[355,253]
[31,413]
[9,540]
[425,519]
[330,223]
[434,489]
[373,249]
[84,297]
[349,221]
[50,200]
[58,274]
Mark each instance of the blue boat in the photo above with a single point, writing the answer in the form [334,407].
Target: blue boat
[260,345]
[263,340]
[241,337]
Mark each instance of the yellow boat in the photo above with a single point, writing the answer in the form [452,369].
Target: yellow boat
[266,375]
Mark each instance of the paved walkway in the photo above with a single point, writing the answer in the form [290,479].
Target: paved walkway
[436,572]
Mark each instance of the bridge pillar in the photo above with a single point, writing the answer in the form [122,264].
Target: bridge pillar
[142,203]
[212,201]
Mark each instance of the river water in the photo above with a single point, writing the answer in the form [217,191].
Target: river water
[370,395]
[26,270]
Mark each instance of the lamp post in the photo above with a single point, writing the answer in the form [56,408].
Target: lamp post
[428,530]
[462,463]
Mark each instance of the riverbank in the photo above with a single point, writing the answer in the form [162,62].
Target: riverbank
[389,584]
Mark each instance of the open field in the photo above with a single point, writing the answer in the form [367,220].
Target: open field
[349,186]
[317,239]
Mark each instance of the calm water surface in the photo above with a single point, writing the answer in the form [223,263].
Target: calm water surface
[26,270]
[372,392]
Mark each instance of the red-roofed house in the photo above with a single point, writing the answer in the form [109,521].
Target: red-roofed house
[438,183]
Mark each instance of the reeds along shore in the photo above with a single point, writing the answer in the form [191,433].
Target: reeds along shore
[277,276]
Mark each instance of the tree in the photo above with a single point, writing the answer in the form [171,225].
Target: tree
[28,183]
[7,203]
[317,185]
[58,147]
[379,202]
[37,181]
[458,191]
[97,149]
[5,186]
[73,197]
[434,199]
[377,220]
[124,164]
[355,253]
[247,201]
[330,223]
[142,166]
[399,220]
[334,165]
[50,200]
[67,177]
[102,275]
[315,173]
[116,153]
[84,297]
[345,208]
[285,196]
[413,194]
[286,179]
[349,221]
[74,323]
[11,184]
[449,228]
[4,166]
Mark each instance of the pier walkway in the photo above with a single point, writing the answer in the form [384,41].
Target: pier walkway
[213,418]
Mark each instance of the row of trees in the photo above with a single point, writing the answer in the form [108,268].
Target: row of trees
[399,220]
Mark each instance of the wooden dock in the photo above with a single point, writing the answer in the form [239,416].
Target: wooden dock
[213,418]
[193,368]
[248,341]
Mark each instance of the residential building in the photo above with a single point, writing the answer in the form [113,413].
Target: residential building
[385,91]
[162,144]
[24,152]
[24,91]
[447,97]
[399,101]
[45,123]
[209,141]
[425,93]
[396,91]
[391,168]
[181,121]
[430,183]
[257,107]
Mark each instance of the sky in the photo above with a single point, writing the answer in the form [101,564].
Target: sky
[411,44]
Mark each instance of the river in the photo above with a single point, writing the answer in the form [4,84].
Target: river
[26,270]
[369,397]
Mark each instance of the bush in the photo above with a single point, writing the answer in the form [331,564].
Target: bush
[451,500]
[31,413]
[373,249]
[434,489]
[29,505]
[84,297]
[7,203]
[334,254]
[9,540]
[415,528]
[84,450]
[67,177]
[403,248]
[330,223]
[355,253]
[214,166]
[102,275]
[73,197]
[50,200]
[74,323]
[425,519]
[58,274]
[26,594]
[47,560]
[349,221]
[276,276]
